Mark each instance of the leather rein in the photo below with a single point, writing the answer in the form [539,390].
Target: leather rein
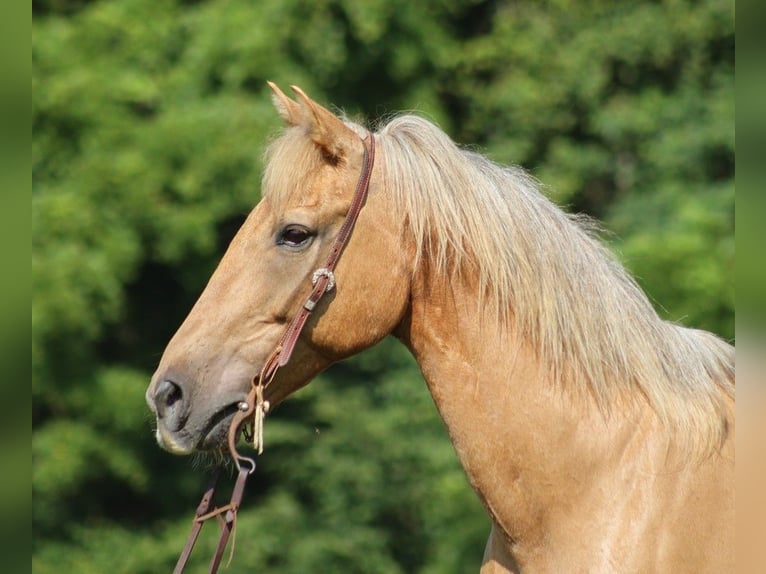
[252,410]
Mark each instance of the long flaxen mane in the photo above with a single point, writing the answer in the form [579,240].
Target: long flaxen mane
[546,275]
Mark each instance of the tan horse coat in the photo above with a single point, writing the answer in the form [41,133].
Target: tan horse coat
[584,463]
[568,490]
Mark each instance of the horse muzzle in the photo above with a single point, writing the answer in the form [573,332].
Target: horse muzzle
[183,428]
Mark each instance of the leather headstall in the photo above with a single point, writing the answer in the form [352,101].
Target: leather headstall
[252,410]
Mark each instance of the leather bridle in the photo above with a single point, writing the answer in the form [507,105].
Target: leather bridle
[253,409]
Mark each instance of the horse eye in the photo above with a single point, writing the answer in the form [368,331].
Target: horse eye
[294,236]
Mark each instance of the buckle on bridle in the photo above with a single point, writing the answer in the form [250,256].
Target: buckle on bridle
[324,272]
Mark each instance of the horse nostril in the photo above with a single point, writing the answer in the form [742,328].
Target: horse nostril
[166,399]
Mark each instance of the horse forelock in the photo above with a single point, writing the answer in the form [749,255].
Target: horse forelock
[286,161]
[539,271]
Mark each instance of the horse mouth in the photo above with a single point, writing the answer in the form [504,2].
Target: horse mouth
[215,433]
[212,435]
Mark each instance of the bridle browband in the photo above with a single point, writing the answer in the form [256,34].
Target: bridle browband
[253,409]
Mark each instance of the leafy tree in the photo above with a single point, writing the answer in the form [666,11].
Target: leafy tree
[149,123]
[625,112]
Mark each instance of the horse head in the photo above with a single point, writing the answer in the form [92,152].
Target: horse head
[264,276]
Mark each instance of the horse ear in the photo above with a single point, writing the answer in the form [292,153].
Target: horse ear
[289,110]
[327,130]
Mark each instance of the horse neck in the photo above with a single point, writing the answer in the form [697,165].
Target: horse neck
[525,448]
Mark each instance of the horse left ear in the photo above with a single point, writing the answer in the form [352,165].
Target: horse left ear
[327,130]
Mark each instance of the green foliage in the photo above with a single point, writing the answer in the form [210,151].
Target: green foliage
[149,120]
[625,112]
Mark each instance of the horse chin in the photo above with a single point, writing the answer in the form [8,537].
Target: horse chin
[216,431]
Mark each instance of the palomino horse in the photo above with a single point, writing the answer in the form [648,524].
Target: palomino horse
[599,437]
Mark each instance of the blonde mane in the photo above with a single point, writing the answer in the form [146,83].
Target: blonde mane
[545,275]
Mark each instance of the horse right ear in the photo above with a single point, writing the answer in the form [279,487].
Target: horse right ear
[289,110]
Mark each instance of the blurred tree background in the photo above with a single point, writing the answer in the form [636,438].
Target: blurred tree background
[149,121]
